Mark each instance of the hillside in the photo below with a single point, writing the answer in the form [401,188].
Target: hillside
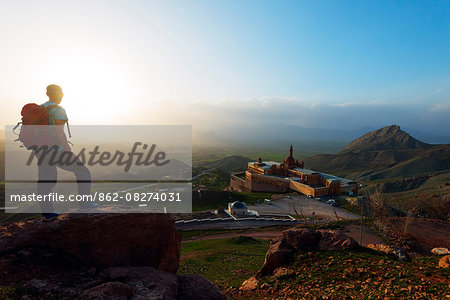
[402,168]
[384,164]
[386,138]
[229,164]
[384,153]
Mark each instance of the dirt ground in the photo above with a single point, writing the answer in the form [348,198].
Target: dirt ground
[429,233]
[368,237]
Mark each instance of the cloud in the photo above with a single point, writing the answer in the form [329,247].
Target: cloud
[441,107]
[264,112]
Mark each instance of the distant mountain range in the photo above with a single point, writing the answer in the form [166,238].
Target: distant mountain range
[313,139]
[386,153]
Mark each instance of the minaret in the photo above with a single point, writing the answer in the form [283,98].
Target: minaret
[290,161]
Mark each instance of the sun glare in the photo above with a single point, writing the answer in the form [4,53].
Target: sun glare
[95,91]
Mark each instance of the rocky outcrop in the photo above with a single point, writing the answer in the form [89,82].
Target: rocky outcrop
[444,262]
[150,283]
[283,249]
[98,256]
[102,240]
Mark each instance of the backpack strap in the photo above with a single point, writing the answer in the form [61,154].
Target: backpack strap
[68,129]
[50,117]
[49,108]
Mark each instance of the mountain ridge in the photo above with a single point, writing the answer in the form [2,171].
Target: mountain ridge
[386,138]
[385,153]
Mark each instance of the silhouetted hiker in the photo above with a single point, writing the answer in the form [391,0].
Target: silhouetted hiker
[48,164]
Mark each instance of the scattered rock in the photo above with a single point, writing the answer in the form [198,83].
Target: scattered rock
[250,284]
[150,283]
[108,291]
[381,247]
[40,286]
[90,284]
[264,286]
[283,272]
[401,255]
[92,271]
[440,251]
[444,262]
[115,273]
[196,287]
[24,253]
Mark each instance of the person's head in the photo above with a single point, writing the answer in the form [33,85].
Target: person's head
[54,93]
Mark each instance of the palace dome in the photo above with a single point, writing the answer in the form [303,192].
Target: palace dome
[238,205]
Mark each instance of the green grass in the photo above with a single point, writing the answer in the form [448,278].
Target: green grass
[203,155]
[226,262]
[188,234]
[216,180]
[9,293]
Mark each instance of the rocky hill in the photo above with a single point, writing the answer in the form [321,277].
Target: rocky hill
[385,153]
[394,163]
[307,264]
[386,138]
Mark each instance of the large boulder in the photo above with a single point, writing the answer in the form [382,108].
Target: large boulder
[300,238]
[101,240]
[282,250]
[99,256]
[280,253]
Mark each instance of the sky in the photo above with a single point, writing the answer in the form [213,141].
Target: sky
[219,64]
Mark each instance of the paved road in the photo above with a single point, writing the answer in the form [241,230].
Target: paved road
[303,205]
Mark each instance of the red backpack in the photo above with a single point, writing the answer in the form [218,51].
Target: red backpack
[31,135]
